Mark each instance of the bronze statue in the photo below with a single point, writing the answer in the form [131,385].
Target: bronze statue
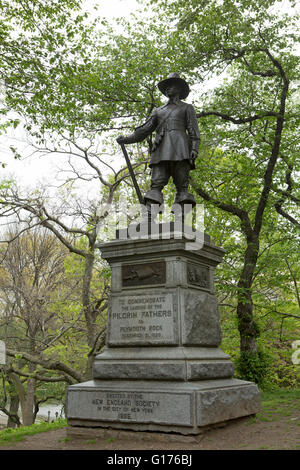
[175,146]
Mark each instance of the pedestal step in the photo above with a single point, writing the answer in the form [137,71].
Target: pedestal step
[182,407]
[183,364]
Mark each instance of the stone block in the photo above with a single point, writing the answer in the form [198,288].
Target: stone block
[147,370]
[200,319]
[168,363]
[218,405]
[184,407]
[94,401]
[209,370]
[162,369]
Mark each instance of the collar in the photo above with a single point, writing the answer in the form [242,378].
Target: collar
[175,101]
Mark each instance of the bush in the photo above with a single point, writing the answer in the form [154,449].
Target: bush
[255,367]
[285,375]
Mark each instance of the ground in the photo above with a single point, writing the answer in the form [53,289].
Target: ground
[276,427]
[281,434]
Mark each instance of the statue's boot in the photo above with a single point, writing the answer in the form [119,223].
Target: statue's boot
[153,205]
[183,203]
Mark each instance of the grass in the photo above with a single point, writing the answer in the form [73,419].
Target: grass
[9,435]
[276,404]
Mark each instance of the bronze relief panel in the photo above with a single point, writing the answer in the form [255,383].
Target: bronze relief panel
[144,274]
[198,275]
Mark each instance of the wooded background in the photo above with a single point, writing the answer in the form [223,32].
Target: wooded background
[73,82]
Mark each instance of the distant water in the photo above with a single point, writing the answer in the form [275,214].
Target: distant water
[42,414]
[44,410]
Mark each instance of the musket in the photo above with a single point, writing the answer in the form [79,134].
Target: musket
[138,191]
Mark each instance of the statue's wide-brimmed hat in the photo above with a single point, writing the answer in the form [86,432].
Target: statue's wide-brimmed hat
[174,78]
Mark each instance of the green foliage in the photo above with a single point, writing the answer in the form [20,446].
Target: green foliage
[284,375]
[44,46]
[273,398]
[253,366]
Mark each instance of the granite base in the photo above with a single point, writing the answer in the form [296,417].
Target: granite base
[181,407]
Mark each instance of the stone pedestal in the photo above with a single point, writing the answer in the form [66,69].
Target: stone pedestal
[162,369]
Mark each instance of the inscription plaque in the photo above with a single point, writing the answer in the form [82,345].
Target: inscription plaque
[142,319]
[198,275]
[144,274]
[139,407]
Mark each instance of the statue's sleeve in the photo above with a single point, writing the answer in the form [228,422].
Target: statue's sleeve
[141,132]
[193,128]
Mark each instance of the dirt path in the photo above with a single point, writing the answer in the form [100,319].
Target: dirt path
[274,432]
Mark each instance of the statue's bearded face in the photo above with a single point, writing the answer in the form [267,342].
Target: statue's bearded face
[173,90]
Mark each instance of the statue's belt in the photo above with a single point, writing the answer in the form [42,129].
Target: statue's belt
[170,124]
[166,126]
[174,125]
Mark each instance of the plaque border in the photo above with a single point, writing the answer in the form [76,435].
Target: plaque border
[194,285]
[139,263]
[145,342]
[191,404]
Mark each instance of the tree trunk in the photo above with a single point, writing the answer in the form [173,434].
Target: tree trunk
[13,420]
[21,391]
[247,327]
[88,309]
[28,413]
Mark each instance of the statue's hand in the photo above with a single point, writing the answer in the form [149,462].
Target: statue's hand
[121,139]
[194,154]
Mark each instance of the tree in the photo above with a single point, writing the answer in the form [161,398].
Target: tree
[32,280]
[40,40]
[77,223]
[68,236]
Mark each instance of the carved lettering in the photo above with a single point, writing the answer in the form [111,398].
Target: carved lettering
[124,404]
[136,406]
[148,318]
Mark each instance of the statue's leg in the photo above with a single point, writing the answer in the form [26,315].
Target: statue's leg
[180,175]
[160,174]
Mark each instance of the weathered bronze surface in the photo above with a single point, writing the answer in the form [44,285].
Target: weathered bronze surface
[144,274]
[198,275]
[175,146]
